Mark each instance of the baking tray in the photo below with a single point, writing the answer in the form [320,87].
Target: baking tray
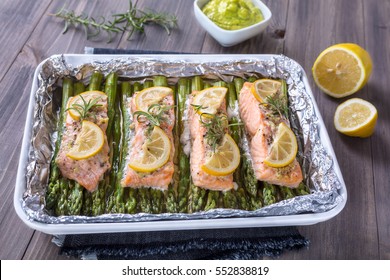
[161,225]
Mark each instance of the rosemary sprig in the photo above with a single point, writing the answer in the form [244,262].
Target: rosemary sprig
[155,115]
[215,126]
[85,108]
[277,105]
[132,20]
[136,19]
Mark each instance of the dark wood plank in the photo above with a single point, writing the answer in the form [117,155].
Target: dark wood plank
[48,39]
[271,41]
[17,20]
[353,233]
[187,38]
[41,247]
[15,87]
[14,235]
[377,41]
[300,28]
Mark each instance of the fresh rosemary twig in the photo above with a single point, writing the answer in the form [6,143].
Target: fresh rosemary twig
[155,115]
[277,105]
[132,20]
[84,109]
[215,125]
[136,19]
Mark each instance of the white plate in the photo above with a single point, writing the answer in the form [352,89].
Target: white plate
[290,220]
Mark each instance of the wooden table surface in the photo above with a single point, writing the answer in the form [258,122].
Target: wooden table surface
[300,29]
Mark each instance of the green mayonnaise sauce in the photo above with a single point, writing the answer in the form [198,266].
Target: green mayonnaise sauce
[233,14]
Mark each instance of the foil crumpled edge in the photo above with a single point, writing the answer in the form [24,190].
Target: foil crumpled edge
[316,161]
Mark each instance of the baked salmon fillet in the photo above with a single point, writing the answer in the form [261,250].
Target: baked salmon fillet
[261,128]
[161,177]
[87,172]
[199,149]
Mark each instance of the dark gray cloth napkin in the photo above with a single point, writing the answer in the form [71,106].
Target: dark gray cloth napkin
[241,243]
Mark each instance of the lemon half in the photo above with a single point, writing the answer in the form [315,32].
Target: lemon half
[88,143]
[224,160]
[283,149]
[356,117]
[342,69]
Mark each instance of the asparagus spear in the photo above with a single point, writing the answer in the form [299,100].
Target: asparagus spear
[184,162]
[115,168]
[99,196]
[212,200]
[170,194]
[247,172]
[302,189]
[121,200]
[78,88]
[62,199]
[198,196]
[95,84]
[62,202]
[242,198]
[230,200]
[160,81]
[197,199]
[76,190]
[252,79]
[235,131]
[96,81]
[54,187]
[269,194]
[75,199]
[130,194]
[256,202]
[111,91]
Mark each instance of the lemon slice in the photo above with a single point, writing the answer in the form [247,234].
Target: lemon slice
[77,102]
[284,148]
[263,88]
[342,69]
[155,152]
[224,160]
[209,100]
[88,143]
[150,96]
[356,117]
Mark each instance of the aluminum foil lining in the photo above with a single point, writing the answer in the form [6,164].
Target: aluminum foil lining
[316,162]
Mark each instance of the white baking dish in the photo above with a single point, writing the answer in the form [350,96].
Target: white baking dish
[72,228]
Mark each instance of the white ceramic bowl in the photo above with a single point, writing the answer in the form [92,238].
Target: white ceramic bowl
[229,38]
